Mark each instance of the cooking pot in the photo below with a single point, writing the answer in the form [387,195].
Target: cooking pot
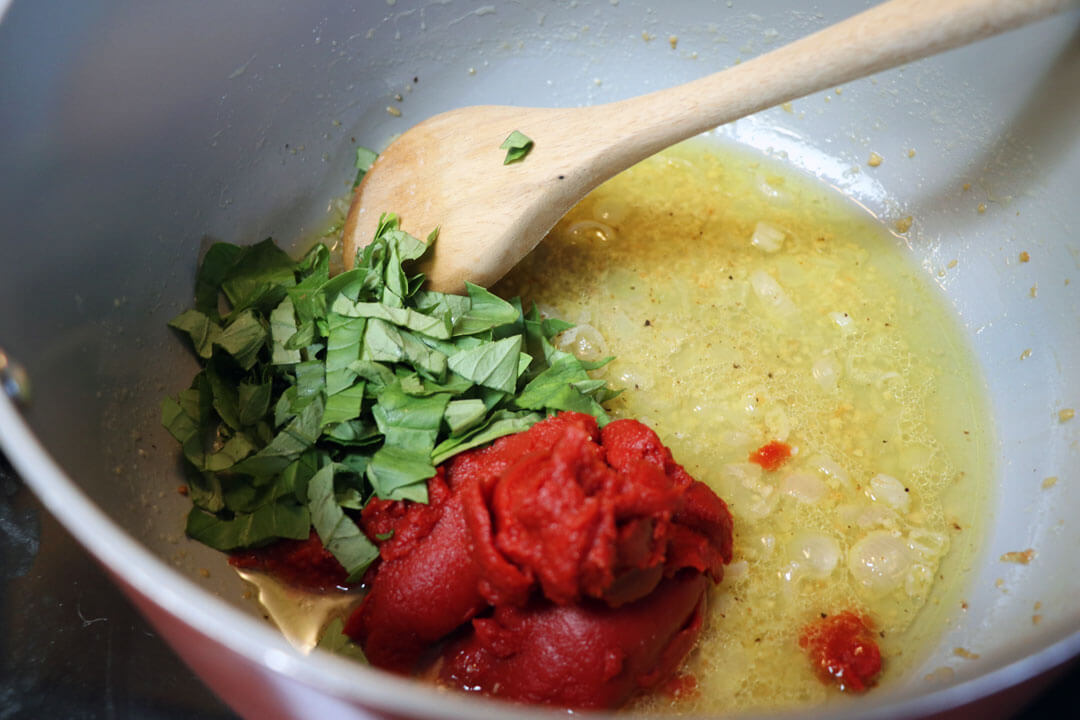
[134,133]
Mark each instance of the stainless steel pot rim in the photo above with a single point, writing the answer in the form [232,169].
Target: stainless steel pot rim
[246,636]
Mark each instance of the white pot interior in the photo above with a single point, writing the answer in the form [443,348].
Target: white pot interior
[135,133]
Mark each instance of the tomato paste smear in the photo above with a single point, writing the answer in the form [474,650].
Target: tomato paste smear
[842,650]
[564,565]
[771,455]
[303,564]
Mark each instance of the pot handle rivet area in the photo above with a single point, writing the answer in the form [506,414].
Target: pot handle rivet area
[14,381]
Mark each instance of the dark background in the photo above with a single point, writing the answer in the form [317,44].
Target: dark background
[73,647]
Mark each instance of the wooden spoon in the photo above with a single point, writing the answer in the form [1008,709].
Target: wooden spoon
[448,171]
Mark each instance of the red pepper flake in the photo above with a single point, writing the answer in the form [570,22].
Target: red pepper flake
[843,651]
[771,455]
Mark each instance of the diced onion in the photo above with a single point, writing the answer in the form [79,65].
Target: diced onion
[878,515]
[815,554]
[834,474]
[927,544]
[736,571]
[804,487]
[844,322]
[879,562]
[887,489]
[747,494]
[826,373]
[770,292]
[918,581]
[767,238]
[583,340]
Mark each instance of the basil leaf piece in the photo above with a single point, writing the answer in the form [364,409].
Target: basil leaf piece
[557,388]
[339,534]
[398,473]
[282,328]
[342,348]
[517,145]
[253,401]
[385,342]
[201,330]
[334,640]
[364,159]
[500,424]
[216,265]
[492,365]
[486,311]
[264,266]
[462,415]
[299,435]
[433,326]
[243,338]
[273,521]
[344,405]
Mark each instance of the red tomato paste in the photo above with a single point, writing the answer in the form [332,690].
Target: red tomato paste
[771,455]
[843,651]
[564,565]
[305,564]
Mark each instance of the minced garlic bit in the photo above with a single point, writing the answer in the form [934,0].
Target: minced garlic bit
[1026,354]
[1036,619]
[1049,482]
[393,111]
[967,186]
[673,41]
[1066,414]
[1020,557]
[1038,606]
[966,654]
[1000,582]
[903,224]
[911,152]
[1024,257]
[788,107]
[874,160]
[952,263]
[646,35]
[981,208]
[1034,291]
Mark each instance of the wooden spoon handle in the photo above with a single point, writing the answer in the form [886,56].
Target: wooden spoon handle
[885,36]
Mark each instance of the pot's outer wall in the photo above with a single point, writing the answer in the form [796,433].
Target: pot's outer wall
[134,133]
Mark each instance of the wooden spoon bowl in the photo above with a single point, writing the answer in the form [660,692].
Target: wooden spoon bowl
[448,171]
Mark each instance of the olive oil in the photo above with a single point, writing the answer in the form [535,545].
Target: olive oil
[745,304]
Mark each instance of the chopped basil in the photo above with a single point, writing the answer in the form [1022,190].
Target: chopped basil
[517,145]
[318,393]
[364,158]
[336,641]
[339,534]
